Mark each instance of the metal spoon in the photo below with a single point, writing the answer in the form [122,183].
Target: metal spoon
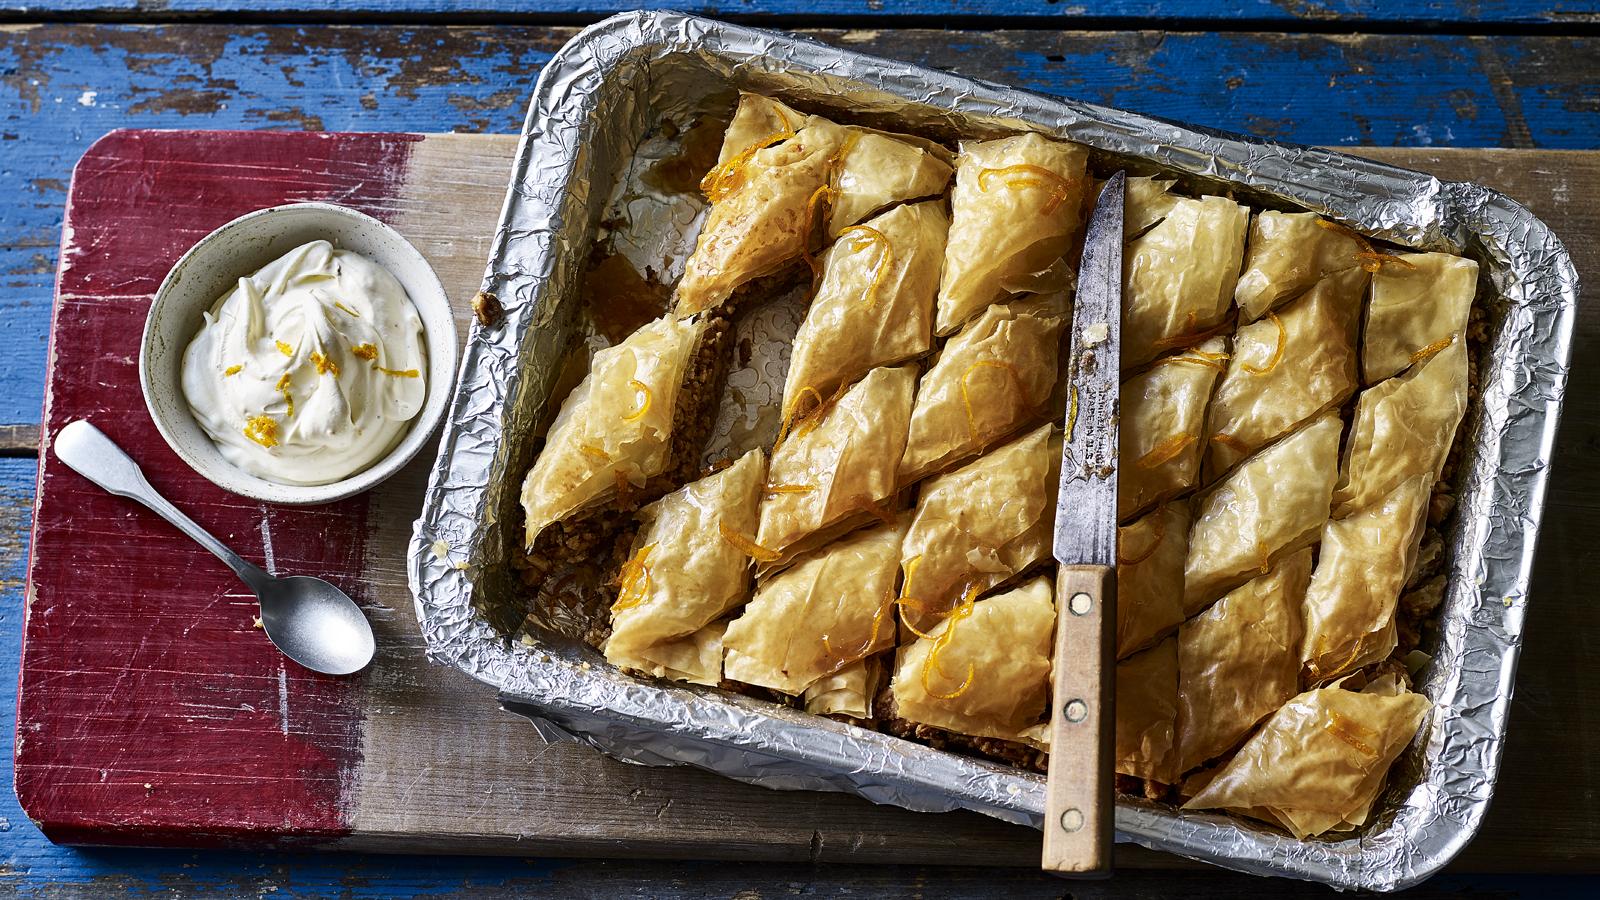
[311,621]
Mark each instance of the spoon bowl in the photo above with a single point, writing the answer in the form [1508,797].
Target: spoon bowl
[311,621]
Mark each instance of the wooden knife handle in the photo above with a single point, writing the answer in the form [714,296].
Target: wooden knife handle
[1078,808]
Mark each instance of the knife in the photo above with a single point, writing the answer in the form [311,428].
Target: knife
[1078,802]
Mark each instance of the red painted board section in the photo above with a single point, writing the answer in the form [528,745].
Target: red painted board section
[151,711]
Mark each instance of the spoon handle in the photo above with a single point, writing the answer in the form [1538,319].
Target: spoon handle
[87,451]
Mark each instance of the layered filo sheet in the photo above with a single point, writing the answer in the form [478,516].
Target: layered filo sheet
[615,431]
[1015,212]
[1291,393]
[778,173]
[994,377]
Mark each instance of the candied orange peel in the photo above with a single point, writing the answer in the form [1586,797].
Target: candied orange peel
[642,396]
[1432,349]
[1352,733]
[263,430]
[1155,542]
[726,178]
[633,580]
[966,398]
[1027,173]
[1166,451]
[773,490]
[1189,336]
[747,546]
[884,607]
[957,615]
[865,237]
[1204,360]
[1277,350]
[1231,442]
[905,600]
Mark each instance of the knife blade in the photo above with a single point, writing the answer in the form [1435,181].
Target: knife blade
[1078,797]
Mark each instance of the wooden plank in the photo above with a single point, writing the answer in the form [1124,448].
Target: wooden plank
[1346,12]
[62,86]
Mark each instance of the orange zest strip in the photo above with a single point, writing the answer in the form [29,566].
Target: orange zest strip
[1026,173]
[943,640]
[1231,442]
[813,417]
[905,600]
[232,370]
[724,179]
[1166,451]
[1186,339]
[1373,260]
[283,388]
[1351,733]
[324,364]
[966,399]
[1155,542]
[633,580]
[792,415]
[867,237]
[1277,352]
[399,373]
[1432,349]
[643,398]
[746,546]
[263,430]
[822,195]
[773,490]
[1194,361]
[884,607]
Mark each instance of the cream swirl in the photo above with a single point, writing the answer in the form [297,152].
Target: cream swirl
[309,370]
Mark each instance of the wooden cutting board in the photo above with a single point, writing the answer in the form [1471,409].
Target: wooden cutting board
[153,712]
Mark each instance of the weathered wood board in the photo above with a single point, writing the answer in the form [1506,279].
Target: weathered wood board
[152,712]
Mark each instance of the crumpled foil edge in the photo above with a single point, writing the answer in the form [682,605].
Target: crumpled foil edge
[589,108]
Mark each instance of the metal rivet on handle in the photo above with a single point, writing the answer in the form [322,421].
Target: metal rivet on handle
[1080,604]
[1071,820]
[1076,710]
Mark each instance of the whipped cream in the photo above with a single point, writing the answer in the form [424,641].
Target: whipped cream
[309,370]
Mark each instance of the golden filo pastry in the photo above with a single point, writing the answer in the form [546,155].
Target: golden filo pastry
[1147,713]
[984,670]
[1364,562]
[762,212]
[994,377]
[1403,427]
[980,525]
[879,169]
[1286,368]
[1150,555]
[1179,277]
[695,658]
[1269,506]
[833,607]
[1146,201]
[1239,660]
[1419,301]
[874,303]
[835,466]
[683,571]
[1163,426]
[847,692]
[1016,209]
[616,426]
[1319,762]
[1289,252]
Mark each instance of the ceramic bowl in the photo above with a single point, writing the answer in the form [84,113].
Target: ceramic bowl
[213,266]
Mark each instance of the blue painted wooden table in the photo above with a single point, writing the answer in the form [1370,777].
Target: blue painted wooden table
[1451,73]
